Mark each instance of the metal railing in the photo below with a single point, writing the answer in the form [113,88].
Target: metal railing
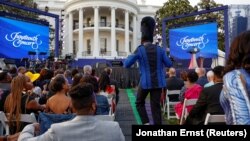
[105,53]
[87,53]
[121,53]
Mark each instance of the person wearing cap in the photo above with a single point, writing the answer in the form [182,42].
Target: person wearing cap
[85,126]
[152,60]
[209,100]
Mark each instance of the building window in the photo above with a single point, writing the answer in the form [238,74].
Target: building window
[103,45]
[116,22]
[74,47]
[117,45]
[88,46]
[103,21]
[130,46]
[75,24]
[89,24]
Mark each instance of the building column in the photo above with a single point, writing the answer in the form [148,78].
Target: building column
[80,43]
[96,51]
[127,32]
[70,47]
[134,45]
[113,33]
[65,45]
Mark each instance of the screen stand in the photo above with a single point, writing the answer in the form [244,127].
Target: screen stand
[193,62]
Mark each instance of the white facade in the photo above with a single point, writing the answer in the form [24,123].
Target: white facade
[99,28]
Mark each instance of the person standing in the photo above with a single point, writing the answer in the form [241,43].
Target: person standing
[152,60]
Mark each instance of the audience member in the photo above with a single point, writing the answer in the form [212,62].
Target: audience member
[83,126]
[202,78]
[76,79]
[21,70]
[10,137]
[113,82]
[174,83]
[236,91]
[59,85]
[93,73]
[13,71]
[210,78]
[68,76]
[5,80]
[209,100]
[20,102]
[192,92]
[102,107]
[87,70]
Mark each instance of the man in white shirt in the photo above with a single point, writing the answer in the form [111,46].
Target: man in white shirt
[83,127]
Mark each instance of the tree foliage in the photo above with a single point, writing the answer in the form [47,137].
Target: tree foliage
[218,16]
[172,8]
[178,7]
[16,11]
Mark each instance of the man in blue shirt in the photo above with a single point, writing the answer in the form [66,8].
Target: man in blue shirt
[152,60]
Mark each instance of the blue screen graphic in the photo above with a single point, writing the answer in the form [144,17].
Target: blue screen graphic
[203,38]
[17,38]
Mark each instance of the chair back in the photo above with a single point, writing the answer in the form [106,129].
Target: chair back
[187,102]
[3,125]
[169,102]
[29,118]
[214,119]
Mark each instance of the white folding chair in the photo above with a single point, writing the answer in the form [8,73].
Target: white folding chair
[3,125]
[28,118]
[214,119]
[187,102]
[169,103]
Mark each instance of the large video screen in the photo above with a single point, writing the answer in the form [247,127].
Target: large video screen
[201,37]
[18,38]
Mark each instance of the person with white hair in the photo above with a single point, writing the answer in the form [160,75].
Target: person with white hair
[87,70]
[210,78]
[202,78]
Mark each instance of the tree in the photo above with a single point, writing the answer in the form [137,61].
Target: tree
[16,11]
[172,8]
[218,16]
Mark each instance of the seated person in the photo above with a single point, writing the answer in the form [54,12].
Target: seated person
[101,100]
[209,100]
[19,101]
[59,103]
[83,126]
[192,92]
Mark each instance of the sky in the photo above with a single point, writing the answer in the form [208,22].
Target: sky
[194,2]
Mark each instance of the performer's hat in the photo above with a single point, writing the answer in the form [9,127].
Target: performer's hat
[147,28]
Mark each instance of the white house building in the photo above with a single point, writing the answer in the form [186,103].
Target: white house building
[98,28]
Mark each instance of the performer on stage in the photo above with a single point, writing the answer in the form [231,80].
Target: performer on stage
[152,60]
[193,62]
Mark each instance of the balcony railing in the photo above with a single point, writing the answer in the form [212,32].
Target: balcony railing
[102,24]
[87,53]
[121,53]
[105,53]
[105,24]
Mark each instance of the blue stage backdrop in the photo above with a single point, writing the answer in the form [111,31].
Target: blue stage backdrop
[17,38]
[203,37]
